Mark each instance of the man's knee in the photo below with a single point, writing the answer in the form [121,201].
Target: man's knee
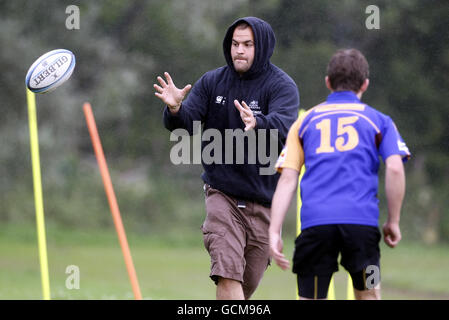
[229,289]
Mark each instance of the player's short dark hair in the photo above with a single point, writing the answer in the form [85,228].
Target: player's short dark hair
[347,70]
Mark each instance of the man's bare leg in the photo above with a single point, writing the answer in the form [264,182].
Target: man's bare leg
[228,289]
[370,294]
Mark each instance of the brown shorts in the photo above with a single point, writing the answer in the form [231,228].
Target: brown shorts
[235,234]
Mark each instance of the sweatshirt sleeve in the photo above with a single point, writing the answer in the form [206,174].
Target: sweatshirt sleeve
[193,108]
[282,110]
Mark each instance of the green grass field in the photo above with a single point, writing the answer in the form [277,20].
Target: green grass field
[178,268]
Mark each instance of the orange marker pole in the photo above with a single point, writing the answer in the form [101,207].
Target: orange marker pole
[111,199]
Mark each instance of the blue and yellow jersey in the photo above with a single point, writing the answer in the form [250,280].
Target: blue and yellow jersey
[339,142]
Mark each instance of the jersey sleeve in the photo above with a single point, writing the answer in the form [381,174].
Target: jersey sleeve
[392,143]
[292,155]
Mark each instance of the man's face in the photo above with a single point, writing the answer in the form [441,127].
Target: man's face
[242,49]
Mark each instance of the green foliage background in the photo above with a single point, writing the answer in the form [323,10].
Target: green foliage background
[122,46]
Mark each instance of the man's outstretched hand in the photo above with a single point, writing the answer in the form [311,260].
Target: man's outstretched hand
[169,93]
[246,114]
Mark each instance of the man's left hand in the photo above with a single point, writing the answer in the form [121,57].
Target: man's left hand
[246,114]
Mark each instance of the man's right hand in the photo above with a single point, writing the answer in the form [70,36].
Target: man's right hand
[170,94]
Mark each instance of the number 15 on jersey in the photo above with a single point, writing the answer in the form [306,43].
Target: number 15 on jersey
[341,143]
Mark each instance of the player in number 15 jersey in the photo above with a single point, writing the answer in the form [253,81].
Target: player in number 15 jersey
[339,142]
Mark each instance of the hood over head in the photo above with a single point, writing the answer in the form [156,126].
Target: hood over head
[264,41]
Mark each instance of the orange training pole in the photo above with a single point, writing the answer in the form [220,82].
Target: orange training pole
[111,199]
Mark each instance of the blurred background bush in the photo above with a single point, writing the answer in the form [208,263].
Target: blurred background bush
[122,46]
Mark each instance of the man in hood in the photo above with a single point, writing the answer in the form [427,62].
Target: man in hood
[251,99]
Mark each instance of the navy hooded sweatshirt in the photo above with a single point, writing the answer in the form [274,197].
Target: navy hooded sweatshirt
[271,94]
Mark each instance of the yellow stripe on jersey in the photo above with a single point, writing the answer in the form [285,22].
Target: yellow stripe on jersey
[340,106]
[340,112]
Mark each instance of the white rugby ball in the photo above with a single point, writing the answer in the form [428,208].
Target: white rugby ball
[50,70]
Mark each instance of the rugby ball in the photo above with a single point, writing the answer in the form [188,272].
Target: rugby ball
[50,70]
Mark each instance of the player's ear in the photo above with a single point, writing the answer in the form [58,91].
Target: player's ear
[328,83]
[364,86]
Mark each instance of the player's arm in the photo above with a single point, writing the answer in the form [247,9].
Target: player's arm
[289,164]
[282,109]
[282,198]
[283,106]
[180,112]
[395,191]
